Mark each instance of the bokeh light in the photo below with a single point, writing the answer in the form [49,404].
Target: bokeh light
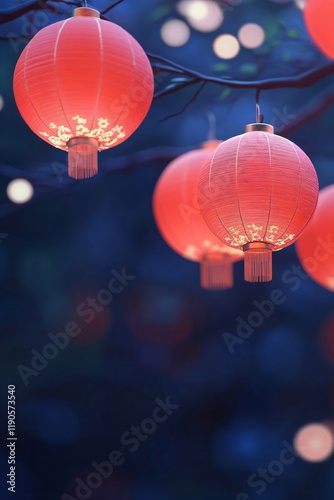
[226,46]
[175,33]
[94,322]
[251,36]
[159,316]
[314,442]
[38,272]
[205,16]
[244,442]
[197,9]
[45,419]
[280,354]
[19,191]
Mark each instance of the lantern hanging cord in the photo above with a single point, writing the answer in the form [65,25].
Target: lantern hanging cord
[212,133]
[259,117]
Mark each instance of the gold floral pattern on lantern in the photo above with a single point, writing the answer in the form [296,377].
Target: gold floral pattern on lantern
[238,239]
[283,240]
[106,136]
[192,252]
[254,231]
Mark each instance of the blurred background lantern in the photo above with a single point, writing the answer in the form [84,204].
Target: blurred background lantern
[83,85]
[319,15]
[260,190]
[180,222]
[315,248]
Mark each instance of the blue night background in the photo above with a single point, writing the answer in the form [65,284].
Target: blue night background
[149,401]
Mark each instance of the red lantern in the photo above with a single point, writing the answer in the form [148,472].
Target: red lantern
[181,224]
[319,15]
[315,248]
[258,192]
[83,85]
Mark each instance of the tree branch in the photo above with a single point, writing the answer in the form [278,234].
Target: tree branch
[306,79]
[309,112]
[13,13]
[51,178]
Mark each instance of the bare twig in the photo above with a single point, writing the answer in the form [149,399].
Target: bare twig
[13,13]
[111,7]
[176,88]
[194,97]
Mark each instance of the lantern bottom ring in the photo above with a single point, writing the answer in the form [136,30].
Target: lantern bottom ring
[258,262]
[82,157]
[257,245]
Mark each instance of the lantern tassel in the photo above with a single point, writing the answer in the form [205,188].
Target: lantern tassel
[216,273]
[82,157]
[258,262]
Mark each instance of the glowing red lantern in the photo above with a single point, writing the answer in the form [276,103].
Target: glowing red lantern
[181,224]
[319,15]
[315,248]
[83,85]
[258,191]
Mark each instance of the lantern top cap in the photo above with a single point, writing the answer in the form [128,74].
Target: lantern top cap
[259,127]
[85,12]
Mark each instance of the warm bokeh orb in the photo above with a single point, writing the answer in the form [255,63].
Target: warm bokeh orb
[175,33]
[314,443]
[226,46]
[251,36]
[202,15]
[19,191]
